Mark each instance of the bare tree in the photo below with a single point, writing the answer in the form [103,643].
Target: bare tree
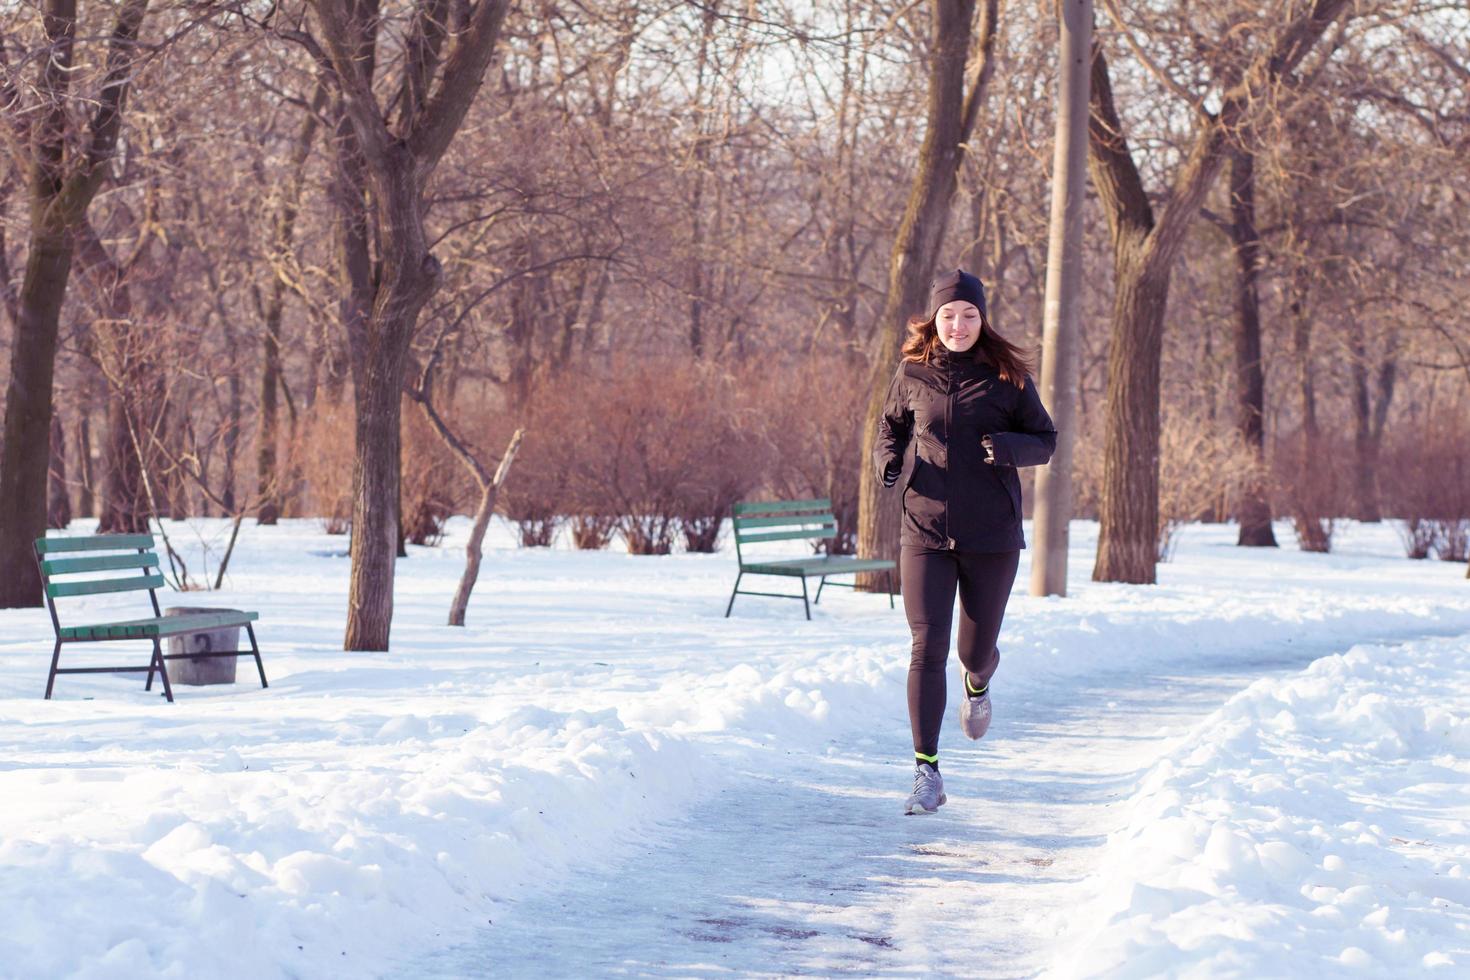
[958,77]
[386,154]
[67,168]
[1145,248]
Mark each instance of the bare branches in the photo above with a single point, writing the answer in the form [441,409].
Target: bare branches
[464,71]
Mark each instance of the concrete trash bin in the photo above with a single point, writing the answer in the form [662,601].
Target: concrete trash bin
[202,670]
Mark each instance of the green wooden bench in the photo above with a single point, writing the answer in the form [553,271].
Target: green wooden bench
[790,520]
[137,553]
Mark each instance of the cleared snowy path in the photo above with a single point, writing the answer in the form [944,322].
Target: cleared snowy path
[806,865]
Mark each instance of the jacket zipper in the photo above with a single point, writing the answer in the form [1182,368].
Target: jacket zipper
[948,450]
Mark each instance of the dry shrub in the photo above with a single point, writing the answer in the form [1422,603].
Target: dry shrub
[1427,477]
[722,426]
[1203,471]
[327,453]
[1310,484]
[434,484]
[535,496]
[811,417]
[655,449]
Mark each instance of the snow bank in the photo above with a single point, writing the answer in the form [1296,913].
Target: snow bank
[1317,826]
[225,862]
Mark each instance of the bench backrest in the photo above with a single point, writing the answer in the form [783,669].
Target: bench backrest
[783,520]
[88,555]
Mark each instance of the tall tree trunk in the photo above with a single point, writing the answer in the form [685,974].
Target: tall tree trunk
[231,436]
[86,496]
[62,186]
[124,506]
[1250,377]
[25,452]
[954,103]
[1369,417]
[283,242]
[1052,511]
[698,343]
[58,504]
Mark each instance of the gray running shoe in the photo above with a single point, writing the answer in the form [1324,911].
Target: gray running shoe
[928,794]
[975,714]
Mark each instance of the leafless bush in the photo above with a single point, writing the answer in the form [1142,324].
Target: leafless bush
[1427,477]
[433,485]
[811,414]
[1417,535]
[653,449]
[536,497]
[326,464]
[1310,485]
[1200,467]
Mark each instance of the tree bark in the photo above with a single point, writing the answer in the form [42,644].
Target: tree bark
[58,504]
[474,550]
[1370,414]
[86,497]
[1250,378]
[953,105]
[1052,512]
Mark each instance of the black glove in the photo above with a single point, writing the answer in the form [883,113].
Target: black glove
[890,474]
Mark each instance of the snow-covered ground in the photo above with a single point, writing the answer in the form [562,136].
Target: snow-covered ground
[1257,767]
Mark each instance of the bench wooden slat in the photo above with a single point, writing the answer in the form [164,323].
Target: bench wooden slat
[98,586]
[94,542]
[826,532]
[831,565]
[99,563]
[741,523]
[782,506]
[158,626]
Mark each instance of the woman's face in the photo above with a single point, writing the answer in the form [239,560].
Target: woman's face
[958,323]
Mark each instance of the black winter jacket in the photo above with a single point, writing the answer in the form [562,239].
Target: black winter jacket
[952,498]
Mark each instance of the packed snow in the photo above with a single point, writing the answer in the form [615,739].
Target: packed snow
[1257,766]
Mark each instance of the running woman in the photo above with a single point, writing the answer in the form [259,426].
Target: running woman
[965,399]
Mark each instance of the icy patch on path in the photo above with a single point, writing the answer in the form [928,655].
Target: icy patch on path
[1318,825]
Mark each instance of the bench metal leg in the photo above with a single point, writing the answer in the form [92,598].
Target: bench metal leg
[168,690]
[820,586]
[733,593]
[808,605]
[890,588]
[51,677]
[255,649]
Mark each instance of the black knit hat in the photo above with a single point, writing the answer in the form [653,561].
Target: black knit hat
[958,284]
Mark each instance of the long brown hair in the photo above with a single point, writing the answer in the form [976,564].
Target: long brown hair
[1011,361]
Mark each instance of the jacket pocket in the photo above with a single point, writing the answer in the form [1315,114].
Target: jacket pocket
[1003,477]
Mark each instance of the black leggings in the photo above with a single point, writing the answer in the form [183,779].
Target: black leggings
[929,579]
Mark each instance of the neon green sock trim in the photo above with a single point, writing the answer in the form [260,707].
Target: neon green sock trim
[927,758]
[973,690]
